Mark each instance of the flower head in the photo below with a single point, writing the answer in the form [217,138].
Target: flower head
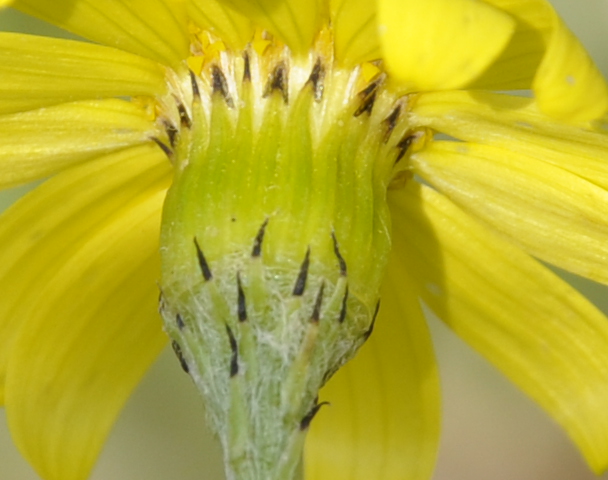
[284,143]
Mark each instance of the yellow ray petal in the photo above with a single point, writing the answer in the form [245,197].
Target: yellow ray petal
[293,21]
[41,71]
[233,28]
[441,44]
[383,418]
[89,333]
[515,123]
[517,64]
[5,3]
[41,230]
[155,29]
[568,85]
[545,54]
[539,331]
[40,142]
[355,31]
[549,212]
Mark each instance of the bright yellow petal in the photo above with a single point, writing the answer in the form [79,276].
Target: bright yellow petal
[355,31]
[441,44]
[383,417]
[40,142]
[155,29]
[568,85]
[544,54]
[534,327]
[5,3]
[40,231]
[517,64]
[515,123]
[296,22]
[550,213]
[90,332]
[233,28]
[41,71]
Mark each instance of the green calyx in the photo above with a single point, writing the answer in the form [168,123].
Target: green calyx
[274,241]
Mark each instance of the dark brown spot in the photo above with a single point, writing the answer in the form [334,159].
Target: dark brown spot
[300,285]
[183,115]
[403,146]
[305,422]
[246,68]
[172,133]
[277,81]
[241,304]
[220,85]
[370,330]
[202,262]
[343,309]
[196,94]
[234,357]
[391,122]
[341,261]
[180,321]
[259,238]
[316,80]
[316,311]
[368,96]
[166,150]
[180,356]
[366,105]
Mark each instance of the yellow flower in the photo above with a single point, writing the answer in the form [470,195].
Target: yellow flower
[518,180]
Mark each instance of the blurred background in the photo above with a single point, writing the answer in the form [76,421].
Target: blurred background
[491,431]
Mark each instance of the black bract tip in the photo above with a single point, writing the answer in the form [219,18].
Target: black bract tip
[305,422]
[202,262]
[300,285]
[241,304]
[234,357]
[341,260]
[316,311]
[259,238]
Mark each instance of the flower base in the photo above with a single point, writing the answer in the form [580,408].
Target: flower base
[275,239]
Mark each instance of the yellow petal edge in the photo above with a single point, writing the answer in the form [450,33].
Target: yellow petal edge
[295,22]
[441,44]
[540,332]
[545,55]
[151,28]
[568,86]
[40,71]
[104,333]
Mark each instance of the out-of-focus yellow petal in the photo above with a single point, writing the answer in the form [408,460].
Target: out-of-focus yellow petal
[5,3]
[515,123]
[517,64]
[41,71]
[441,44]
[40,142]
[89,332]
[544,54]
[234,29]
[383,417]
[40,232]
[568,85]
[550,213]
[155,29]
[534,327]
[296,22]
[355,31]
